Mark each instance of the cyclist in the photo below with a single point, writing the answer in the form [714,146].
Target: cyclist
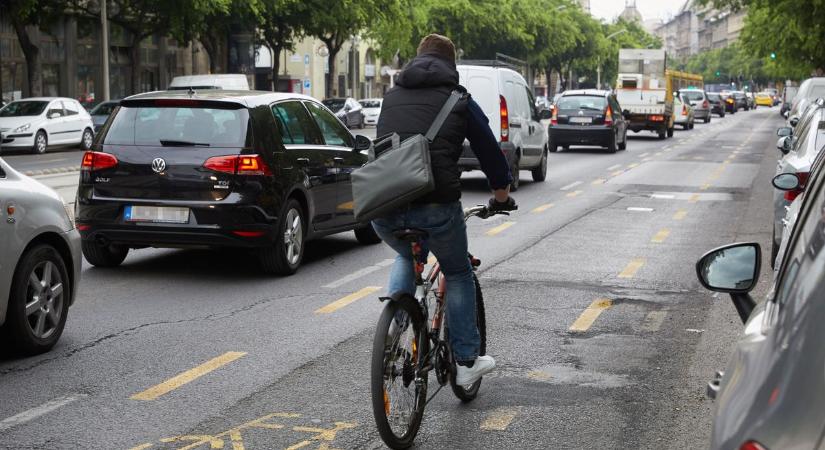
[408,109]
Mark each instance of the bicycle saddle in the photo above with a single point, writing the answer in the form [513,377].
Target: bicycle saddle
[410,234]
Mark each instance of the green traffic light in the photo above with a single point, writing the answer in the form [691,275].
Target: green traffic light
[718,73]
[773,55]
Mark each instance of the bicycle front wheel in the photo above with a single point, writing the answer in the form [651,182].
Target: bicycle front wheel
[468,394]
[399,349]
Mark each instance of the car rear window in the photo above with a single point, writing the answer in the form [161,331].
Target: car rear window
[692,95]
[334,104]
[149,125]
[712,96]
[582,102]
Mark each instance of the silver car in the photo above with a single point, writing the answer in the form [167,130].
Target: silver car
[810,90]
[699,101]
[40,263]
[772,393]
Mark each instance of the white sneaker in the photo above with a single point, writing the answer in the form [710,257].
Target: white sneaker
[466,376]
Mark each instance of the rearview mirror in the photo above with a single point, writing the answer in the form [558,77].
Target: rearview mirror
[732,269]
[794,121]
[545,114]
[783,144]
[786,182]
[784,131]
[362,143]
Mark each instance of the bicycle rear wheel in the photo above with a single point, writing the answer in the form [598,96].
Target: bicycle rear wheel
[399,348]
[469,394]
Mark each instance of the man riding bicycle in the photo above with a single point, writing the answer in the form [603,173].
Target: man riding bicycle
[408,109]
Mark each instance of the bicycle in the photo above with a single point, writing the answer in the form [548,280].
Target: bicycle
[409,343]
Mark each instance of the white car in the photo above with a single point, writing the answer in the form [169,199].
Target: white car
[40,122]
[372,109]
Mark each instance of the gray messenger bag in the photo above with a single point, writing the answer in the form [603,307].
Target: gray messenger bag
[397,172]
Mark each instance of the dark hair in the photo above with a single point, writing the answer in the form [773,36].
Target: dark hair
[438,45]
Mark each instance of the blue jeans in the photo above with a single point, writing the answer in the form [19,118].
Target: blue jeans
[448,241]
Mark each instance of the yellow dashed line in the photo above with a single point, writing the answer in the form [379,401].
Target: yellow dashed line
[698,157]
[498,419]
[185,377]
[660,236]
[500,228]
[574,194]
[590,314]
[680,214]
[542,208]
[693,198]
[617,173]
[632,165]
[598,181]
[340,303]
[631,268]
[705,187]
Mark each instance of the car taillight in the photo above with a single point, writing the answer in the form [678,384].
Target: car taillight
[608,117]
[705,104]
[554,120]
[238,165]
[684,110]
[752,445]
[657,118]
[505,119]
[803,180]
[97,161]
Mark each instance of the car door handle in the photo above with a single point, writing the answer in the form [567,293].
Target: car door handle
[303,160]
[338,159]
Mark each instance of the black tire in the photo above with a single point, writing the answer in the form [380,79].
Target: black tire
[551,146]
[367,235]
[103,255]
[463,394]
[398,312]
[722,115]
[87,139]
[19,333]
[41,143]
[774,248]
[707,119]
[663,133]
[515,171]
[670,131]
[611,144]
[623,144]
[539,173]
[282,257]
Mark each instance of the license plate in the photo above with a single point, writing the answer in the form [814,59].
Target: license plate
[156,214]
[581,120]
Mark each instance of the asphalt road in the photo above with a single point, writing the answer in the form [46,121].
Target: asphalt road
[261,367]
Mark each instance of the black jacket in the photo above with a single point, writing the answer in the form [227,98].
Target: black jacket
[410,108]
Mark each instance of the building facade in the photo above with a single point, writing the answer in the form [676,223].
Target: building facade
[696,28]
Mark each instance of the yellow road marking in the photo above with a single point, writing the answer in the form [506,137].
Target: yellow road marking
[496,230]
[661,236]
[630,166]
[542,208]
[185,377]
[647,159]
[705,186]
[498,419]
[693,198]
[657,154]
[632,267]
[617,173]
[590,314]
[340,303]
[727,161]
[680,214]
[539,375]
[574,194]
[598,181]
[141,447]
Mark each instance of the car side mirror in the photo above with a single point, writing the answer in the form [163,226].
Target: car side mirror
[786,182]
[54,115]
[783,144]
[545,114]
[732,269]
[784,131]
[362,143]
[794,121]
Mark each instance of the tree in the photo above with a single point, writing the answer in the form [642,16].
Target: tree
[211,25]
[24,14]
[281,22]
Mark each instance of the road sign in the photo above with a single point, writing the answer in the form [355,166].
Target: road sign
[307,84]
[306,59]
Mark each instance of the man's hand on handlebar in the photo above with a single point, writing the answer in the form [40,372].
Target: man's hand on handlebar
[496,206]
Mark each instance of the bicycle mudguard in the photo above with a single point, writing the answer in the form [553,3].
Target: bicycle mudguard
[408,302]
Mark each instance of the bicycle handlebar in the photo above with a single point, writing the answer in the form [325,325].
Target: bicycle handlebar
[483,212]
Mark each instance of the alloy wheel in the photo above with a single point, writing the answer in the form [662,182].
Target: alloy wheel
[44,299]
[88,139]
[293,236]
[40,143]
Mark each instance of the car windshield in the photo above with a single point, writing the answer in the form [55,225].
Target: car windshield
[334,103]
[370,103]
[179,126]
[582,102]
[22,109]
[103,109]
[692,95]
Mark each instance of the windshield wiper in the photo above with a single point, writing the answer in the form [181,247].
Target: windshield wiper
[590,108]
[174,143]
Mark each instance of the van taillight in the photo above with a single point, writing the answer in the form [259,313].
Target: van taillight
[752,445]
[705,104]
[505,119]
[97,161]
[238,165]
[684,110]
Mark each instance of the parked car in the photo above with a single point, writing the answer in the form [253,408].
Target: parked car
[763,99]
[371,110]
[699,102]
[770,394]
[226,81]
[788,94]
[508,103]
[38,123]
[751,100]
[717,104]
[588,117]
[730,103]
[101,112]
[40,264]
[810,90]
[255,170]
[774,94]
[799,149]
[682,112]
[741,100]
[542,102]
[349,111]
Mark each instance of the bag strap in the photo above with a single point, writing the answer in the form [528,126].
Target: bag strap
[442,115]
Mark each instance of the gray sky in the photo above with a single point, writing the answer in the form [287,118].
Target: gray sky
[650,9]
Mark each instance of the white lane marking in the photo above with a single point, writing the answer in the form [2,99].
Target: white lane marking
[45,408]
[614,167]
[637,209]
[571,185]
[663,196]
[359,273]
[653,321]
[642,155]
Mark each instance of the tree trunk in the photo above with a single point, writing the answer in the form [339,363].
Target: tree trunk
[332,85]
[137,64]
[31,52]
[276,65]
[211,48]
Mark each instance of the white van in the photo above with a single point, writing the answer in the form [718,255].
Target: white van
[226,81]
[509,105]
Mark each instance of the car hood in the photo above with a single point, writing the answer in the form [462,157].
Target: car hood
[11,123]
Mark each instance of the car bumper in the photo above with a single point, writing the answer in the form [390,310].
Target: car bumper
[371,120]
[18,140]
[701,113]
[573,135]
[73,239]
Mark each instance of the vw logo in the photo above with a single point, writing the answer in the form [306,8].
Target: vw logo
[581,113]
[158,165]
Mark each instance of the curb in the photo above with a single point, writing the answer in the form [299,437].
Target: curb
[52,171]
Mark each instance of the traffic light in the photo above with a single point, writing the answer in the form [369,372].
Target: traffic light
[718,73]
[773,55]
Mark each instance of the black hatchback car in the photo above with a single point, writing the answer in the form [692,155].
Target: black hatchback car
[259,170]
[587,117]
[717,104]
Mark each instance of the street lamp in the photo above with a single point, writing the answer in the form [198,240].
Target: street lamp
[599,69]
[354,63]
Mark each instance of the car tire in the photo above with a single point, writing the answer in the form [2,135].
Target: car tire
[664,132]
[623,144]
[551,146]
[367,236]
[19,333]
[539,173]
[707,119]
[103,255]
[41,143]
[611,144]
[87,139]
[722,115]
[280,258]
[515,171]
